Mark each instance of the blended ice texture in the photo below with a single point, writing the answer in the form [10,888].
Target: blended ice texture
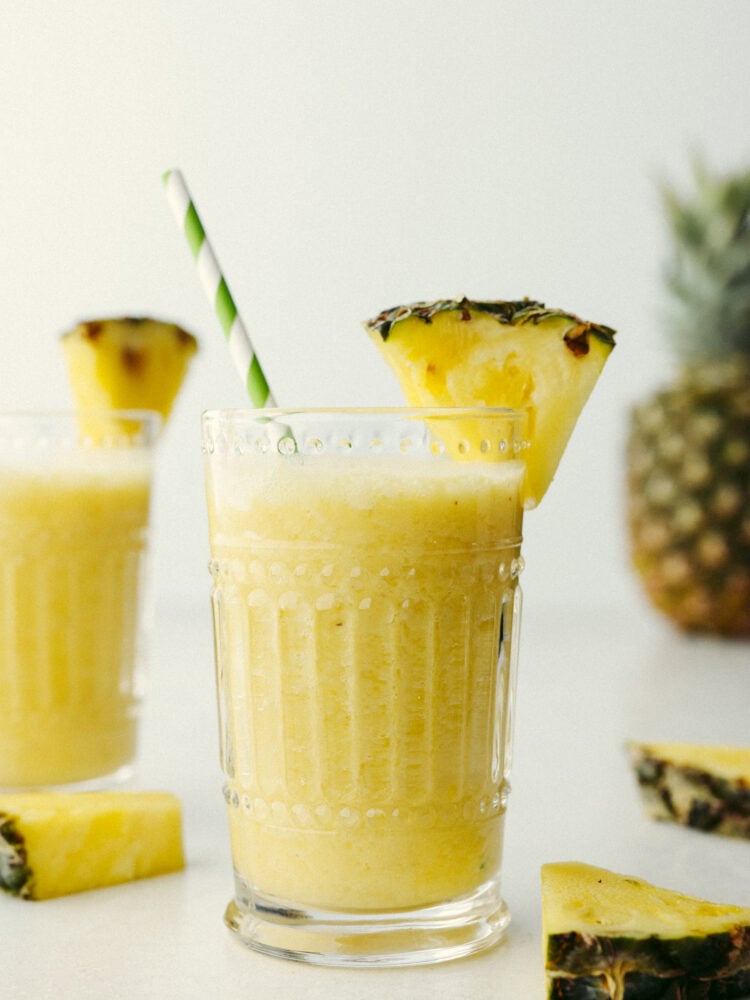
[364,616]
[73,534]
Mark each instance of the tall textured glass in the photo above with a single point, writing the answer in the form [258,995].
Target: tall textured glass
[365,597]
[74,518]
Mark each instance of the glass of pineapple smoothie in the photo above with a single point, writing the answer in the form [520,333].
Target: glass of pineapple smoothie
[366,607]
[74,519]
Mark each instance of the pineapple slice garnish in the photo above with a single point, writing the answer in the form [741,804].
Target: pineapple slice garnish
[602,930]
[57,843]
[127,363]
[544,362]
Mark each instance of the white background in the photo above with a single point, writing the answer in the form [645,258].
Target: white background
[346,157]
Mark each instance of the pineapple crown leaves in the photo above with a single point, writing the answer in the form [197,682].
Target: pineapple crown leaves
[708,274]
[512,313]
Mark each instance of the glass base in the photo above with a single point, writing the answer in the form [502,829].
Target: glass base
[423,936]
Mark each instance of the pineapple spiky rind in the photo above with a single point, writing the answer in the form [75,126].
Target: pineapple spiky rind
[517,354]
[57,843]
[703,787]
[617,936]
[513,313]
[131,363]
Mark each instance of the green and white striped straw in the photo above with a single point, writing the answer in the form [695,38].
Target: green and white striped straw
[217,290]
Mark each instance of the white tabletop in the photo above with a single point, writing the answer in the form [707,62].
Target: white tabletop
[590,678]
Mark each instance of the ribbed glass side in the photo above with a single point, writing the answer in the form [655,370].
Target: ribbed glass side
[360,703]
[70,679]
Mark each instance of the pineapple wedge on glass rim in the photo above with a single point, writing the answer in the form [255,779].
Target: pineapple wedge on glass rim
[57,843]
[516,354]
[127,363]
[608,936]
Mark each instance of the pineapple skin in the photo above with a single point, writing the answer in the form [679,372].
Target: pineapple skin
[642,987]
[597,956]
[692,793]
[57,843]
[616,937]
[688,491]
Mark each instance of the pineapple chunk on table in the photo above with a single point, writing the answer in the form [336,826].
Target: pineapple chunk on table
[57,843]
[703,787]
[616,937]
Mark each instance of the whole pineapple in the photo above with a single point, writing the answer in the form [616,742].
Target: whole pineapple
[689,445]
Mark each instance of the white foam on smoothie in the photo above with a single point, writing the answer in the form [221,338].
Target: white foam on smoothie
[76,464]
[327,498]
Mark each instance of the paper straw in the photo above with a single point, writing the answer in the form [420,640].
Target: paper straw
[217,290]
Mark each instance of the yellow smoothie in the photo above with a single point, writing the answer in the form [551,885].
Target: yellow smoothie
[360,607]
[73,538]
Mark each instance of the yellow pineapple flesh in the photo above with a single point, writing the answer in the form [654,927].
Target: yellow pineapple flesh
[57,843]
[520,355]
[127,363]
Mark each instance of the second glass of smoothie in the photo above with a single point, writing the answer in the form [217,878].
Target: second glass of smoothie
[366,607]
[74,597]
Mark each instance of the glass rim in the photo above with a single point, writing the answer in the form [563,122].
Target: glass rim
[106,429]
[287,431]
[146,416]
[431,411]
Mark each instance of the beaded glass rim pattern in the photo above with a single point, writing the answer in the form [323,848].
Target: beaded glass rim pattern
[63,430]
[271,431]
